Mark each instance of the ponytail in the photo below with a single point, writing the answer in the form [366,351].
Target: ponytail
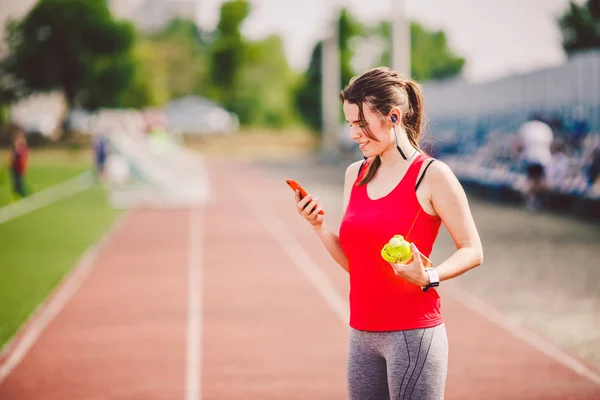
[413,119]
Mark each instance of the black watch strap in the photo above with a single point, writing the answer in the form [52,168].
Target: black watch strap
[434,280]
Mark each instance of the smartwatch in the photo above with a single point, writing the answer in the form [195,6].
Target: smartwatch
[434,279]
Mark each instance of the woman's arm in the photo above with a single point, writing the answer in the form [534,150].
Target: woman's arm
[330,239]
[332,244]
[450,202]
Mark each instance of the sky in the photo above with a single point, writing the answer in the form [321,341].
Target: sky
[497,37]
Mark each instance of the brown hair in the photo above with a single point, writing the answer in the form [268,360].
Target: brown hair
[382,89]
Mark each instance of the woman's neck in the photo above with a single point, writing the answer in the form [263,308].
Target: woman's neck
[391,156]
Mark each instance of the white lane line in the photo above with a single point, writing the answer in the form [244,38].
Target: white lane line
[301,258]
[193,378]
[522,333]
[48,196]
[46,312]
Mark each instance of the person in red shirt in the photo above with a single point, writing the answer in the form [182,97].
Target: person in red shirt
[19,158]
[398,345]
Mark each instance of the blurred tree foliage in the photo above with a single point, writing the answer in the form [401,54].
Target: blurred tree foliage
[264,92]
[78,47]
[580,26]
[349,29]
[431,59]
[72,45]
[251,78]
[308,96]
[172,63]
[228,51]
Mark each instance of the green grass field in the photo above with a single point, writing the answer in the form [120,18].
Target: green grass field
[47,168]
[39,248]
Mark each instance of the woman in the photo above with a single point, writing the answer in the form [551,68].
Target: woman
[398,346]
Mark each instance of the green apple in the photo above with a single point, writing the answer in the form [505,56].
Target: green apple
[397,250]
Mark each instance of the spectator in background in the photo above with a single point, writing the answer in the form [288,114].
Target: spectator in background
[535,139]
[19,158]
[556,123]
[593,168]
[101,153]
[558,169]
[579,128]
[480,134]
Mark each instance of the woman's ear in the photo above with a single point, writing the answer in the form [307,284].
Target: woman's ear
[395,116]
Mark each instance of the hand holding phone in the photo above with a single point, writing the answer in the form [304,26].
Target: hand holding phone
[296,186]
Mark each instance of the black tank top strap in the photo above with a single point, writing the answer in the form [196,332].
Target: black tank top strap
[429,161]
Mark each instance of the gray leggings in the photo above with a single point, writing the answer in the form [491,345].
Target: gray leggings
[398,365]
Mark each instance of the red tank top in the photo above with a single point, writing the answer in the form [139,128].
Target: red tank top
[380,300]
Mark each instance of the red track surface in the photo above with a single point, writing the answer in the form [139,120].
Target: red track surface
[267,331]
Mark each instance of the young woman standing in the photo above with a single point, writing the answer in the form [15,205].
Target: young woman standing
[398,346]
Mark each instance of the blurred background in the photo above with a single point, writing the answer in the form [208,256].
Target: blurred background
[107,104]
[201,69]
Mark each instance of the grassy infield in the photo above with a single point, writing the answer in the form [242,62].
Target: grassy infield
[37,249]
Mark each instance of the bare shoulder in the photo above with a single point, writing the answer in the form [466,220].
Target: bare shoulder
[442,182]
[352,170]
[351,175]
[439,178]
[440,170]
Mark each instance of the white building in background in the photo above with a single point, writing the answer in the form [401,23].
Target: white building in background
[153,15]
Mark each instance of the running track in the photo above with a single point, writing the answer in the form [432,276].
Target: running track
[238,300]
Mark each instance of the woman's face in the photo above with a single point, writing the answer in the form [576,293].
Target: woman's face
[382,137]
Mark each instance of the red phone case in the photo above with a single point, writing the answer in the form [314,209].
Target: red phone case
[296,186]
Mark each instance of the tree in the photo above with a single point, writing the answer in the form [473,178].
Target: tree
[264,91]
[349,29]
[114,82]
[431,57]
[308,97]
[250,78]
[580,26]
[3,124]
[71,45]
[228,50]
[174,62]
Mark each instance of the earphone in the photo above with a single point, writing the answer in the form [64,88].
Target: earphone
[394,120]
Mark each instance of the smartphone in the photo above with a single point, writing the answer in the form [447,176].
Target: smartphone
[296,186]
